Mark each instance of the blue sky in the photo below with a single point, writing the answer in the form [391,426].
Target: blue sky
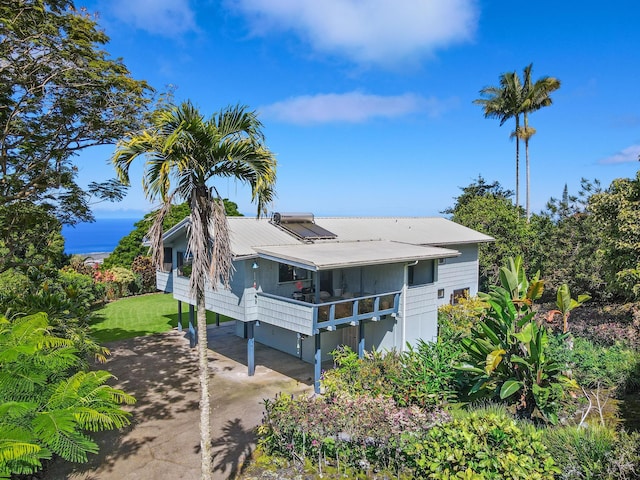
[367,104]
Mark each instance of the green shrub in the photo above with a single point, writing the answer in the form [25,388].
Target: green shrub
[481,445]
[614,367]
[423,375]
[373,375]
[362,432]
[596,453]
[462,317]
[428,377]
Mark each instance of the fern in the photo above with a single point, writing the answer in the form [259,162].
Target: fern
[46,404]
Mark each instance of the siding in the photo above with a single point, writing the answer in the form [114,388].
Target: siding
[164,281]
[420,314]
[225,302]
[297,317]
[459,272]
[181,289]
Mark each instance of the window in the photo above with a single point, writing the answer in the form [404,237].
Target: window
[184,264]
[289,273]
[421,274]
[441,293]
[167,262]
[458,294]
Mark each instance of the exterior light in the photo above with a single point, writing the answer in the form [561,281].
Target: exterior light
[255,267]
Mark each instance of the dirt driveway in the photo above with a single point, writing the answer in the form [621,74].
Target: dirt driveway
[161,371]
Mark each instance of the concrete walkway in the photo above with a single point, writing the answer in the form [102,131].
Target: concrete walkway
[163,442]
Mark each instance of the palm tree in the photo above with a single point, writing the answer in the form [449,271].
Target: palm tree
[535,96]
[505,102]
[184,152]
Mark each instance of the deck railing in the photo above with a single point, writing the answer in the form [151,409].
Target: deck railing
[329,315]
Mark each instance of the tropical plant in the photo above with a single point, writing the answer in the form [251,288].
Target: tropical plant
[508,351]
[428,377]
[566,304]
[46,403]
[183,147]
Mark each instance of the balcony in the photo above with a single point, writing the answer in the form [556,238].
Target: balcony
[310,318]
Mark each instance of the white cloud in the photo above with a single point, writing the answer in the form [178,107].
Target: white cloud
[628,155]
[379,32]
[352,107]
[161,17]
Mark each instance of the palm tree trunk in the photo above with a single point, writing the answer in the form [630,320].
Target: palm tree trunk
[205,401]
[517,164]
[526,148]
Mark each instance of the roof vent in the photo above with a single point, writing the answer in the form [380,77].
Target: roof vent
[302,226]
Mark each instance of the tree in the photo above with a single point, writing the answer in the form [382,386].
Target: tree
[59,94]
[567,243]
[505,102]
[515,97]
[536,96]
[184,152]
[617,213]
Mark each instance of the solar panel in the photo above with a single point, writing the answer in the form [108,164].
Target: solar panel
[301,226]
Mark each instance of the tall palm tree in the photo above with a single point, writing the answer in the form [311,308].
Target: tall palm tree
[536,95]
[184,152]
[505,102]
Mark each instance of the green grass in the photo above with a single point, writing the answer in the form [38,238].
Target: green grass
[142,315]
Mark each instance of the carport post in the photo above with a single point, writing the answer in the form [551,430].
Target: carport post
[251,362]
[193,335]
[179,316]
[361,339]
[317,364]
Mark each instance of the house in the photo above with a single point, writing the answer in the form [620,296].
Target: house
[305,285]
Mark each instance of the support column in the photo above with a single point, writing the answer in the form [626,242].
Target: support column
[179,316]
[193,334]
[217,319]
[317,364]
[361,339]
[251,362]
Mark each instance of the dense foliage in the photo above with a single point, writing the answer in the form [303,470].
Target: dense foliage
[422,376]
[362,432]
[589,241]
[483,444]
[595,453]
[48,403]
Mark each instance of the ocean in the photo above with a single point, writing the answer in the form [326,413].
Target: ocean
[103,235]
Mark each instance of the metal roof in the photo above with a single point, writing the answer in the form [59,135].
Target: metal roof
[248,234]
[415,230]
[330,255]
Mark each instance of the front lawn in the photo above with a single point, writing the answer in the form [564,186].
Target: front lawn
[141,315]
